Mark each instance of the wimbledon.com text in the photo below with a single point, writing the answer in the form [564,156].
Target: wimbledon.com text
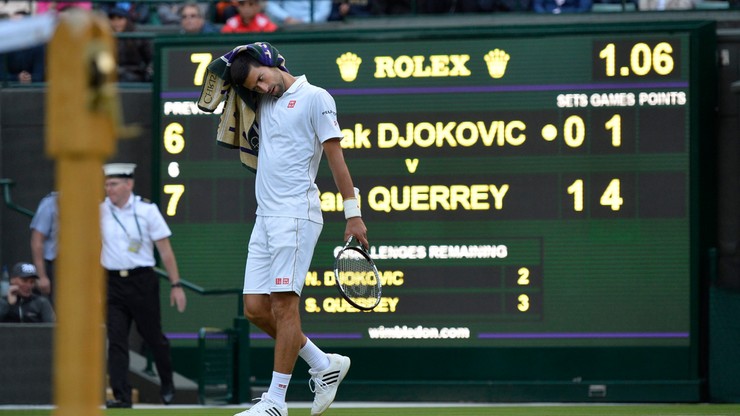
[417,332]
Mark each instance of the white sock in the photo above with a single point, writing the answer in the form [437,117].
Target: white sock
[278,387]
[314,357]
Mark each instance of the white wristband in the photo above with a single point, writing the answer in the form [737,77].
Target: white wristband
[352,206]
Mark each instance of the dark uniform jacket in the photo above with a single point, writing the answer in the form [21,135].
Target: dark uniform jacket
[31,309]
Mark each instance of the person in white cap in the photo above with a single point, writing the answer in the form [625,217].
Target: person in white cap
[131,227]
[21,304]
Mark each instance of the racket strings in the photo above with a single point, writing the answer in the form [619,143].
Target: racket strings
[358,279]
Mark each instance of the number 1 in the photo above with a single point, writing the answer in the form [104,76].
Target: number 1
[608,54]
[615,125]
[576,189]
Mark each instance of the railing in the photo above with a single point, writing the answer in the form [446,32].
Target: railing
[7,184]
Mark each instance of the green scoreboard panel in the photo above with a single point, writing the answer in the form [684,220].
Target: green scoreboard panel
[522,187]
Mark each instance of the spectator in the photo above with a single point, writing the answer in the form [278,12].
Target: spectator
[25,65]
[44,231]
[223,10]
[134,54]
[21,304]
[342,9]
[131,228]
[249,19]
[168,13]
[137,13]
[561,6]
[192,20]
[289,12]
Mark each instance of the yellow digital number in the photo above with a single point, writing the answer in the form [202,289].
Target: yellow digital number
[574,131]
[202,59]
[523,305]
[643,59]
[523,276]
[640,59]
[176,191]
[607,54]
[576,189]
[662,59]
[615,125]
[174,141]
[611,196]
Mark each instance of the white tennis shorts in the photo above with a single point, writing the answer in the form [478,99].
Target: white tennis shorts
[280,253]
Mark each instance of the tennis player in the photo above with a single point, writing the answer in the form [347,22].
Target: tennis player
[297,122]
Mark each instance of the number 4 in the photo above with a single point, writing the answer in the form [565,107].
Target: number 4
[611,197]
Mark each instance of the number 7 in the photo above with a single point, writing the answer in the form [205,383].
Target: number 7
[176,191]
[202,59]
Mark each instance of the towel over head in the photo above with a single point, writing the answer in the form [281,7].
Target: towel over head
[237,128]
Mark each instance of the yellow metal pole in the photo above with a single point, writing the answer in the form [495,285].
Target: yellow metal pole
[80,135]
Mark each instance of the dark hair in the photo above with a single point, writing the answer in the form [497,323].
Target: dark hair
[240,67]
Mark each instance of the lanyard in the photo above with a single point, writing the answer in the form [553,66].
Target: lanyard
[138,227]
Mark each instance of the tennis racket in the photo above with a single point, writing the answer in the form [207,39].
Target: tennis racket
[357,277]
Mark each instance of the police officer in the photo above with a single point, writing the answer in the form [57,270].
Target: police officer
[131,228]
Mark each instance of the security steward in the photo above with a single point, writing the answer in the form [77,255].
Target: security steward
[131,227]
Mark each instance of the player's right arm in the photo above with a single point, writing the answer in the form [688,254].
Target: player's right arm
[343,180]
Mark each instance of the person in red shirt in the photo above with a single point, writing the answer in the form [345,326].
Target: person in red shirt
[249,19]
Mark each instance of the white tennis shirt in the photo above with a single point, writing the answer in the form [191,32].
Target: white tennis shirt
[292,129]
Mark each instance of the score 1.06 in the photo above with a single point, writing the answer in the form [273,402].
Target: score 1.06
[656,59]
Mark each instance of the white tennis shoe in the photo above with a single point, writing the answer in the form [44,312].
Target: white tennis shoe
[325,383]
[265,407]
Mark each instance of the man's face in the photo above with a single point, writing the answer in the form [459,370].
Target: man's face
[191,20]
[118,190]
[118,23]
[248,9]
[25,285]
[266,80]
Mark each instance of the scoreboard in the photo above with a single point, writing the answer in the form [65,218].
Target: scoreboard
[522,187]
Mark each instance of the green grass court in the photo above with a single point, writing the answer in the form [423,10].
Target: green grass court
[431,410]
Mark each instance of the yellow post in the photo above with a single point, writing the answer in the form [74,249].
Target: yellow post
[81,127]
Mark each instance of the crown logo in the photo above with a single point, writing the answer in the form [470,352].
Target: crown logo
[349,65]
[496,61]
